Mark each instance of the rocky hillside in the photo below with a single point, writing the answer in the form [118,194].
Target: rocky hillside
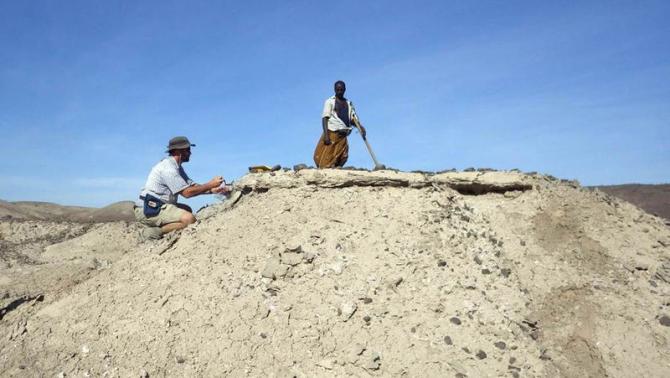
[654,199]
[45,211]
[341,273]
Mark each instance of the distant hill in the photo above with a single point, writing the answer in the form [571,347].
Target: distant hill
[654,199]
[45,211]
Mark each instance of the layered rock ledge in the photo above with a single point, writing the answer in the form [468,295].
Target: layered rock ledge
[463,182]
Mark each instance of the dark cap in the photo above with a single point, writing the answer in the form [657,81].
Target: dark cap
[178,143]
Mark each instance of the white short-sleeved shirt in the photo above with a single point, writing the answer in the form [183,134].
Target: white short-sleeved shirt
[166,180]
[334,122]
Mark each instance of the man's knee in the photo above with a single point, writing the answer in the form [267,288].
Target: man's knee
[187,218]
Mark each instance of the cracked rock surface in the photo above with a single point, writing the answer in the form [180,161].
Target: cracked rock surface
[355,273]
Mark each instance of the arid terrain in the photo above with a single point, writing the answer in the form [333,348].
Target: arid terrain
[348,273]
[654,199]
[45,211]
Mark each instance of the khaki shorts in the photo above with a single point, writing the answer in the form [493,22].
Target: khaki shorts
[169,214]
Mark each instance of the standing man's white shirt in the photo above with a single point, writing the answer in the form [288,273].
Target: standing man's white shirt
[334,122]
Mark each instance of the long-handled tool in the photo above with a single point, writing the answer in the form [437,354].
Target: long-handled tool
[372,154]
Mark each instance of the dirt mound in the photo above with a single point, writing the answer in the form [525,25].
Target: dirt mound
[334,273]
[45,211]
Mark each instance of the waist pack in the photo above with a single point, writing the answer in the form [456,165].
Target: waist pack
[152,205]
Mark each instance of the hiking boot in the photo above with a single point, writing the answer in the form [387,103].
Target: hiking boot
[151,233]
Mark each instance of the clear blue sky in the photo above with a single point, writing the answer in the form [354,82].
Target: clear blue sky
[91,91]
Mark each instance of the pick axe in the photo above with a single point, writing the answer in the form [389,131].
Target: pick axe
[372,154]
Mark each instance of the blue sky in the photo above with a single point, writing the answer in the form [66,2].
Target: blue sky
[91,91]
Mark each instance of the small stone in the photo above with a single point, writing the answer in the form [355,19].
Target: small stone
[308,256]
[367,300]
[478,260]
[274,269]
[523,242]
[338,267]
[263,335]
[544,355]
[486,271]
[505,272]
[326,364]
[512,360]
[441,263]
[367,318]
[347,310]
[180,359]
[291,258]
[466,350]
[447,340]
[374,362]
[481,355]
[413,330]
[299,167]
[664,320]
[455,320]
[500,345]
[294,246]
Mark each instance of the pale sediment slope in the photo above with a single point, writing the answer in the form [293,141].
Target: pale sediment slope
[336,273]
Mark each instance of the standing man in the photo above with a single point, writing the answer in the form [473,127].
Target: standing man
[158,208]
[337,119]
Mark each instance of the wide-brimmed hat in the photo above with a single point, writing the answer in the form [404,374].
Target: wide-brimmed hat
[178,143]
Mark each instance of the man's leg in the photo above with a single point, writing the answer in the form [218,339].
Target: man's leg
[185,220]
[149,231]
[175,217]
[333,155]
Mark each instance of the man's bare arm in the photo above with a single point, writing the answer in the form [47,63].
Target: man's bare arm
[197,189]
[324,124]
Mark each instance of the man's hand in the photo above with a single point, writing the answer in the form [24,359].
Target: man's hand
[215,182]
[225,190]
[363,132]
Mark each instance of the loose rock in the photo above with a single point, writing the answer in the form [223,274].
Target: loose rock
[291,258]
[500,345]
[347,310]
[274,269]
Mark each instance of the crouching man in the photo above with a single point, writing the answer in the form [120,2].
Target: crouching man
[157,207]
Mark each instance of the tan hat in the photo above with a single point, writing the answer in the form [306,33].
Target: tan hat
[178,143]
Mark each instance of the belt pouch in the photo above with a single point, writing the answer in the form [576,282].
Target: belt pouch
[152,206]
